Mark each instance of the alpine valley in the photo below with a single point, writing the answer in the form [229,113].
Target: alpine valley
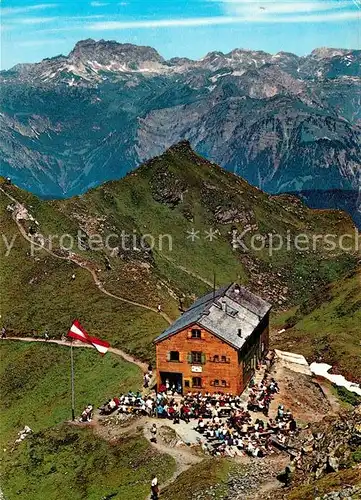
[284,123]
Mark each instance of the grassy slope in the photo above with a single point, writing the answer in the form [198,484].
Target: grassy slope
[35,383]
[129,204]
[64,461]
[40,294]
[328,327]
[136,204]
[208,479]
[72,464]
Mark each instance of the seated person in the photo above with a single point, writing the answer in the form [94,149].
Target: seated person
[201,425]
[292,425]
[280,412]
[160,411]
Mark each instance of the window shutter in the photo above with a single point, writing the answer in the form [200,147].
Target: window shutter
[168,356]
[189,357]
[189,334]
[203,358]
[202,334]
[180,356]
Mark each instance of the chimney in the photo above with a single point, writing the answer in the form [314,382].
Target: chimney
[224,306]
[236,289]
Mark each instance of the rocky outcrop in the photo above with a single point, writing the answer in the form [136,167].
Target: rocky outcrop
[167,188]
[330,445]
[346,492]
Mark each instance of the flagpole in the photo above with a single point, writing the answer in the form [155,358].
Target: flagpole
[72,382]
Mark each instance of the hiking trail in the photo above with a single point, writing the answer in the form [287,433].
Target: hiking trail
[79,262]
[127,357]
[184,459]
[183,456]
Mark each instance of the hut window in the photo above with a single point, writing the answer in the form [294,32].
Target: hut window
[196,333]
[196,357]
[196,382]
[174,356]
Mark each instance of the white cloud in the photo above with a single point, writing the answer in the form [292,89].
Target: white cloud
[164,23]
[98,4]
[70,25]
[318,18]
[36,20]
[224,20]
[98,16]
[4,28]
[7,11]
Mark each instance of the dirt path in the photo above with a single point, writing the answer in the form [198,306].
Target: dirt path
[183,457]
[183,462]
[79,262]
[114,350]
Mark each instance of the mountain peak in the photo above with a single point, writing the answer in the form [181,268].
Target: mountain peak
[83,43]
[108,50]
[181,146]
[326,52]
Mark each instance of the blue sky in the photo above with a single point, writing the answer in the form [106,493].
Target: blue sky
[32,30]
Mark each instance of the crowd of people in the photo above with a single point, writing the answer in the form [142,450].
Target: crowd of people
[166,406]
[260,396]
[224,421]
[131,403]
[239,434]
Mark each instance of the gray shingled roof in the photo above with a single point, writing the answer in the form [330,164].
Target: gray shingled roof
[228,311]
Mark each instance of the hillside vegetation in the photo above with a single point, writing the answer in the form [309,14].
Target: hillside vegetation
[38,293]
[35,384]
[62,460]
[167,198]
[327,327]
[73,464]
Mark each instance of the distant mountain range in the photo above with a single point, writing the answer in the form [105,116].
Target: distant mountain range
[285,123]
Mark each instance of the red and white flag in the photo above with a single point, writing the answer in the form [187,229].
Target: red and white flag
[79,333]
